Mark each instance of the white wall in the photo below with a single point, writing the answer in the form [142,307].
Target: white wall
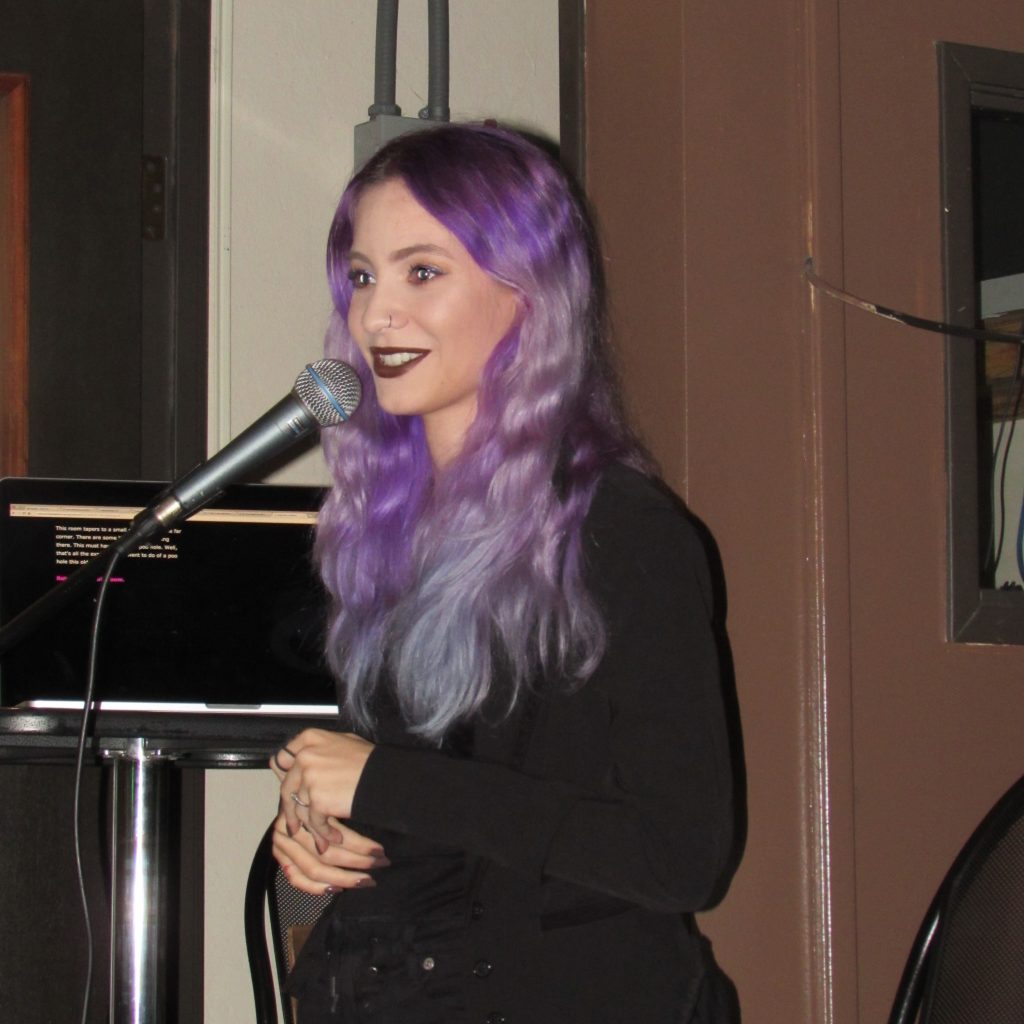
[290,82]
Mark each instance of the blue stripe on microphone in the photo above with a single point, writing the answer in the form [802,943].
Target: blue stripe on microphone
[327,393]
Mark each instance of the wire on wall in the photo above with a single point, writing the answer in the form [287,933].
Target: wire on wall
[907,319]
[994,546]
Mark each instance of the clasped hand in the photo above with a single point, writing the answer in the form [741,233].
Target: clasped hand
[319,772]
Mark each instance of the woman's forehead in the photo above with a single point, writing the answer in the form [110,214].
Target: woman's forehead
[390,225]
[390,210]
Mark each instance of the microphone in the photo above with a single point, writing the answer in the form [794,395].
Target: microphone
[325,394]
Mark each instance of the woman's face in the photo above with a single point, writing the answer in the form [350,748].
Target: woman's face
[423,313]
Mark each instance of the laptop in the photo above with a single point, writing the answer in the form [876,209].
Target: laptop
[222,613]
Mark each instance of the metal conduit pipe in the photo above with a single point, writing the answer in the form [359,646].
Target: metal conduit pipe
[385,60]
[437,108]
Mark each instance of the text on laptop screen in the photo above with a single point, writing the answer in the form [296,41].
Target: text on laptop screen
[224,609]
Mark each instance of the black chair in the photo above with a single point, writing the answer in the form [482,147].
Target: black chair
[967,963]
[292,916]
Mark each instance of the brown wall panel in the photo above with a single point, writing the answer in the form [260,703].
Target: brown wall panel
[13,274]
[936,725]
[694,162]
[634,172]
[812,441]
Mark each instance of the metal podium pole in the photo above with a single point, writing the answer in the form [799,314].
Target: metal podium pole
[143,750]
[138,990]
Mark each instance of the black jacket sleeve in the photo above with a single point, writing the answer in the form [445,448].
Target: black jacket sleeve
[648,818]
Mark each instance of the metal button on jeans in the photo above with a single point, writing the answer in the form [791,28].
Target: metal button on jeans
[483,968]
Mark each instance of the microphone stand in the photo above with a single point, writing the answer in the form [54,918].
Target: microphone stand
[140,790]
[326,393]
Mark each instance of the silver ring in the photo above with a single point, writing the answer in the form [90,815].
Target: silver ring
[295,799]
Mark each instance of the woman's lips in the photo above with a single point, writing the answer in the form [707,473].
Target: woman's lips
[393,362]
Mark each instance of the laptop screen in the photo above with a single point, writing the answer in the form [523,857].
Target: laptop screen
[223,612]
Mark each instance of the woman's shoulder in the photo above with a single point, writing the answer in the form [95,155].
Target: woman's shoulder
[641,540]
[625,496]
[636,519]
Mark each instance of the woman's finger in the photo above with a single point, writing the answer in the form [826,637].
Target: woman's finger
[339,857]
[321,827]
[306,870]
[318,772]
[354,841]
[289,811]
[357,853]
[303,852]
[282,760]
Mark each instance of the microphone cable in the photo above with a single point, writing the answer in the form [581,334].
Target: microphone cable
[83,732]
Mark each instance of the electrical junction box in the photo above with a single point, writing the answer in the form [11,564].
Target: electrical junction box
[382,128]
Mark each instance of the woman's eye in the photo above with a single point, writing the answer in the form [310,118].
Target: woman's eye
[421,274]
[359,278]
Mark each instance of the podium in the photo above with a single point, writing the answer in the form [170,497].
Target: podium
[142,750]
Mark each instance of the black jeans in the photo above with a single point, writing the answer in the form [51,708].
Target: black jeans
[380,971]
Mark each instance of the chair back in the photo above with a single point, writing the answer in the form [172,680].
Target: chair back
[967,963]
[292,916]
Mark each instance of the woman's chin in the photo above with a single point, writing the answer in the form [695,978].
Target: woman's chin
[397,407]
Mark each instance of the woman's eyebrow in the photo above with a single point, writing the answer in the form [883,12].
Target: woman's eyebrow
[414,250]
[398,255]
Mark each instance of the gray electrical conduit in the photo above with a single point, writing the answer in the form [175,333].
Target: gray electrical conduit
[386,59]
[437,54]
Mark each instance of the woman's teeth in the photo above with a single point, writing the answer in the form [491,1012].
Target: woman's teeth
[398,358]
[394,361]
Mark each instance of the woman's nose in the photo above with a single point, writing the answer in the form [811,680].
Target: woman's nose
[382,313]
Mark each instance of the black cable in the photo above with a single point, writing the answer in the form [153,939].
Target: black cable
[994,547]
[907,319]
[958,331]
[90,689]
[1006,458]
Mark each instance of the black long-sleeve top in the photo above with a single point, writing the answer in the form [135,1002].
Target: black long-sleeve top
[588,858]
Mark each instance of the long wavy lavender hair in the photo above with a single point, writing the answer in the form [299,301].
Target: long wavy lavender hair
[435,577]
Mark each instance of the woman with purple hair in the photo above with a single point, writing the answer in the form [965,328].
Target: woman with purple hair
[530,794]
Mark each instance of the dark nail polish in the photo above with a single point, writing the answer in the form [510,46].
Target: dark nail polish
[365,883]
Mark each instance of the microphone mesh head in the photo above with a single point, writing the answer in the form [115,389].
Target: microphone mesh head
[330,390]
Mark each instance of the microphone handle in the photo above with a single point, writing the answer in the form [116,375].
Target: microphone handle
[272,434]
